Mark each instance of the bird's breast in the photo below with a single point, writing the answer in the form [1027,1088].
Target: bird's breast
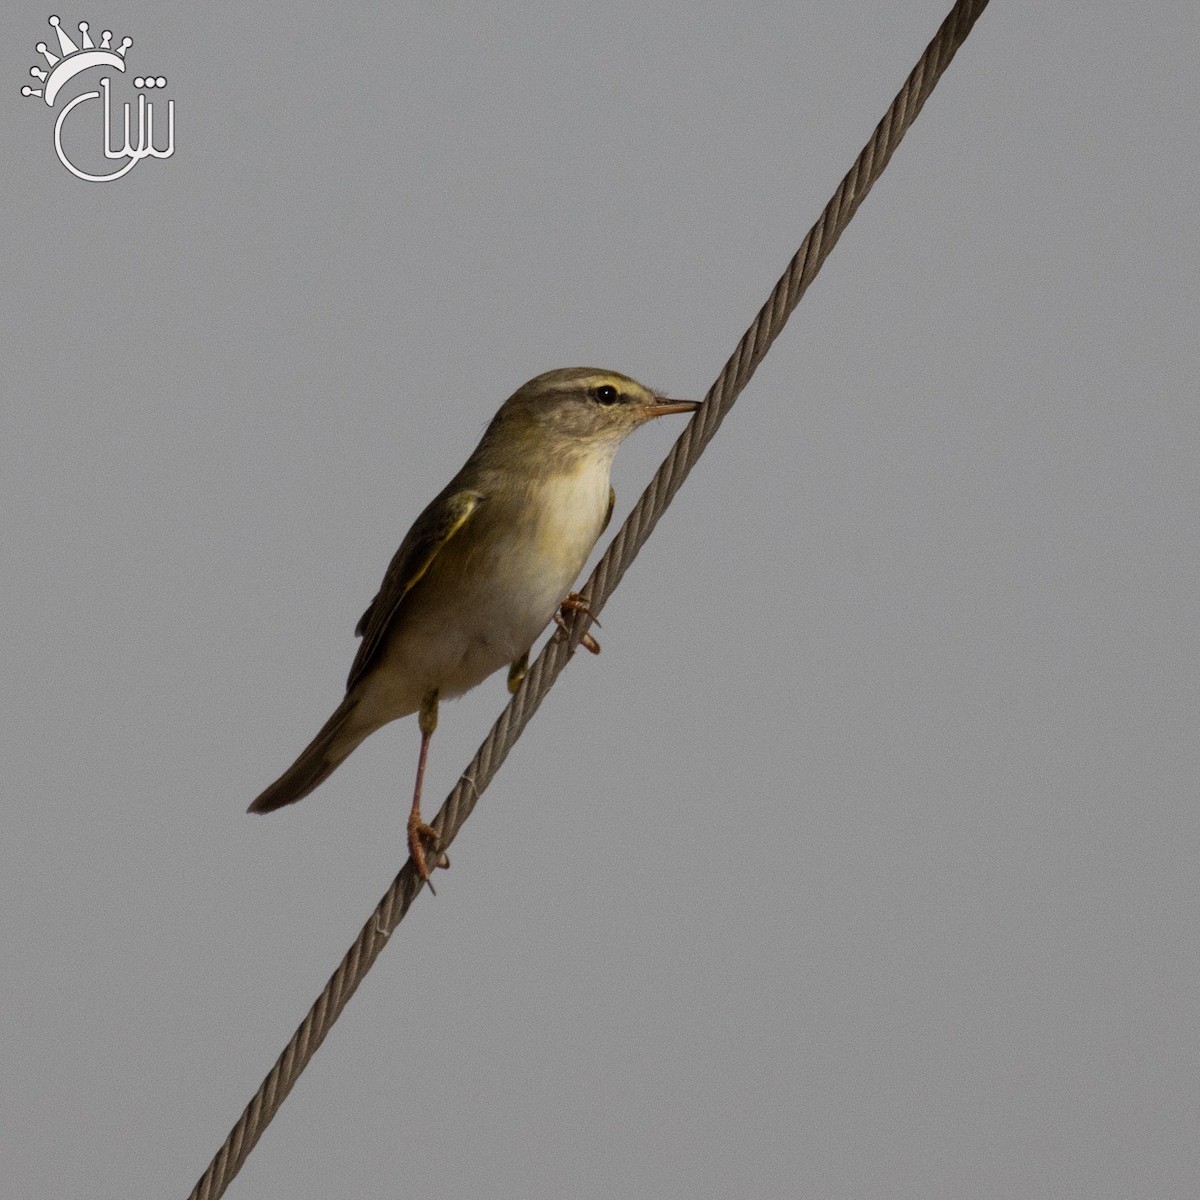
[549,536]
[570,514]
[492,589]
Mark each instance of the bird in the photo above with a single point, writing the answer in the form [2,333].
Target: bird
[484,569]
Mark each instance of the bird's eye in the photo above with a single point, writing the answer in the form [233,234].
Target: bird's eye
[606,394]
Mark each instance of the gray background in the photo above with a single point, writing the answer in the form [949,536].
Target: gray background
[863,862]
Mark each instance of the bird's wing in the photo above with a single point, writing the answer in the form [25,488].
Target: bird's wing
[432,530]
[612,501]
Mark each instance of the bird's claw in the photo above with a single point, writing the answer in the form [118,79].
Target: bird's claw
[575,603]
[418,833]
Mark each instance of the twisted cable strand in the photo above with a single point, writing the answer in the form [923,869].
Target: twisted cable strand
[545,669]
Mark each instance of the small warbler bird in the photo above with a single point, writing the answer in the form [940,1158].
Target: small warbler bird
[484,569]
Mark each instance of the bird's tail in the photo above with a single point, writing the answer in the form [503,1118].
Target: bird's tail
[319,759]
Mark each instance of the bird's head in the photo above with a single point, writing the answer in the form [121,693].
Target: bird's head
[579,410]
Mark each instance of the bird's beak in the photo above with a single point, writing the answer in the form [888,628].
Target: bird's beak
[662,407]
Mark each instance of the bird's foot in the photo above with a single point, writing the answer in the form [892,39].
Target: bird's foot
[586,640]
[420,833]
[575,603]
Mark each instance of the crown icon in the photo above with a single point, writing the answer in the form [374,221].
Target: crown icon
[73,59]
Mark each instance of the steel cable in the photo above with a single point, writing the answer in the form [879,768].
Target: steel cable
[638,526]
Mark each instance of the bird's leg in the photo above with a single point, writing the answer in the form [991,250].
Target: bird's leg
[575,603]
[418,830]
